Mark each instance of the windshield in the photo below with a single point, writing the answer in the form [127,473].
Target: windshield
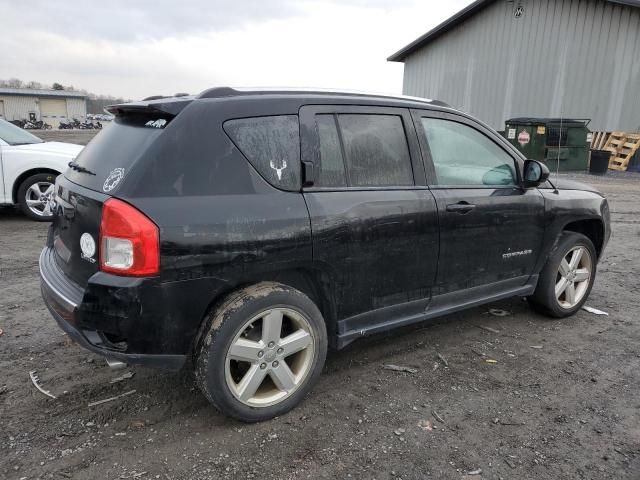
[15,135]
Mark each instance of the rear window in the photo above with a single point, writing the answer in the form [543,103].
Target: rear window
[272,146]
[114,151]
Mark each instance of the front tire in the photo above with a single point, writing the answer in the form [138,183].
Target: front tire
[567,278]
[36,195]
[261,352]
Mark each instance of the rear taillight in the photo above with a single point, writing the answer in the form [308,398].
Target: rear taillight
[129,241]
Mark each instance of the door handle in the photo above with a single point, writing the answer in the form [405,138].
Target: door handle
[460,207]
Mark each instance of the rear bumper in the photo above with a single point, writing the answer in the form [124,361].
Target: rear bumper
[64,299]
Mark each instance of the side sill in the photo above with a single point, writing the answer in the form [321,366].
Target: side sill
[441,305]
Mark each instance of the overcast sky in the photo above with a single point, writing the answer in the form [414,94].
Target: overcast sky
[147,47]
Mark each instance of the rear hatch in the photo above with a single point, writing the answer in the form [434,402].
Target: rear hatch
[98,174]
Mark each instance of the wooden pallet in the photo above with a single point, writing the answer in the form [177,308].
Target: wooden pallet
[623,146]
[599,140]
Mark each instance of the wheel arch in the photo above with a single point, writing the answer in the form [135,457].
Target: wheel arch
[592,228]
[314,283]
[26,174]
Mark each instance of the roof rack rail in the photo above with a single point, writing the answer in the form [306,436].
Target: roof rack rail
[219,92]
[154,97]
[440,103]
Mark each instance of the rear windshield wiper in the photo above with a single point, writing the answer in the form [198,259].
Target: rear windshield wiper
[80,168]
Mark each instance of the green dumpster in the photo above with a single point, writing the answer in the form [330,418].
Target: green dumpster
[552,140]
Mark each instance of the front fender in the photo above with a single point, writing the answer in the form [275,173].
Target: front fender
[565,207]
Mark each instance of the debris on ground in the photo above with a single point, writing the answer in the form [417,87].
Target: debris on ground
[100,402]
[594,310]
[491,360]
[124,376]
[399,431]
[510,463]
[444,360]
[488,329]
[399,368]
[1,332]
[537,347]
[436,416]
[508,423]
[425,425]
[477,471]
[36,381]
[496,312]
[133,475]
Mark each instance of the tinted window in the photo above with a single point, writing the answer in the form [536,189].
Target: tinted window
[272,145]
[463,156]
[118,146]
[331,161]
[376,150]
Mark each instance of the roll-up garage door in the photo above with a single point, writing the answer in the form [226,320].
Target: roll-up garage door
[53,110]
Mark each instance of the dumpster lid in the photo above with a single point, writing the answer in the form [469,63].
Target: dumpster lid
[583,122]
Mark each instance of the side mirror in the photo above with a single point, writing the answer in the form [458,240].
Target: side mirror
[534,173]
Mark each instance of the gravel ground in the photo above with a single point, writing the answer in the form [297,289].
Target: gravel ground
[560,402]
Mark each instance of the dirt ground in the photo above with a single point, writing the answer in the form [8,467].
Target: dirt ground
[81,137]
[560,402]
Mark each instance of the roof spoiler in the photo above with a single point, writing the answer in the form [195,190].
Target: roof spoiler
[156,104]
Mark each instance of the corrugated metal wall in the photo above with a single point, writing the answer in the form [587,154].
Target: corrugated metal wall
[570,58]
[18,107]
[77,107]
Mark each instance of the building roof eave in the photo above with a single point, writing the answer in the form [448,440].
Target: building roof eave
[456,20]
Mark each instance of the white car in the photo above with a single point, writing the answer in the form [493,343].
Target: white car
[28,170]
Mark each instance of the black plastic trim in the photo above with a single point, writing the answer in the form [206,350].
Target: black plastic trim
[407,314]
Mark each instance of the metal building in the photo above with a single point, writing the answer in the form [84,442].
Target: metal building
[499,59]
[50,106]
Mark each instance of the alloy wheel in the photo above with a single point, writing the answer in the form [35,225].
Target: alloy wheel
[39,198]
[574,274]
[270,357]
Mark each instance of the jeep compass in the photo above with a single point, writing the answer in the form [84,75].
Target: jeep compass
[243,232]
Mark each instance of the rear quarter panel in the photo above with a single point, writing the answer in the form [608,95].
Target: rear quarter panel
[225,226]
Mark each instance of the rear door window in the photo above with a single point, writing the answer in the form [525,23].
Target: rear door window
[363,150]
[332,169]
[272,146]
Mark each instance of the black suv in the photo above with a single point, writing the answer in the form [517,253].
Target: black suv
[248,230]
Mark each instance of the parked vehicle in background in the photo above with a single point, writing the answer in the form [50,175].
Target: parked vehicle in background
[81,125]
[28,168]
[245,231]
[31,125]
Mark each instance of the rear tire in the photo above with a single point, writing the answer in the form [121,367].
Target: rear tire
[567,278]
[36,195]
[261,351]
